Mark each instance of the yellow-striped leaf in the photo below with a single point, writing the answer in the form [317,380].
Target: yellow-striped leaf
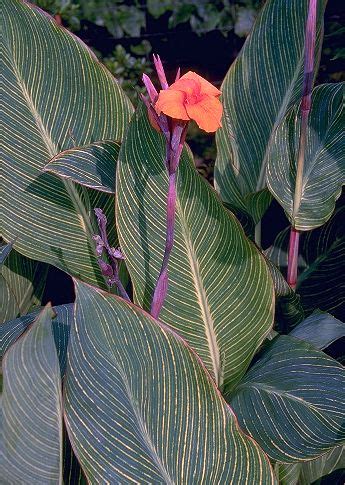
[323,465]
[141,408]
[60,326]
[56,95]
[32,407]
[220,292]
[22,283]
[310,471]
[324,163]
[292,401]
[263,82]
[93,166]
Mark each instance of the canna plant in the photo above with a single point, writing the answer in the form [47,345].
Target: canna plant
[187,357]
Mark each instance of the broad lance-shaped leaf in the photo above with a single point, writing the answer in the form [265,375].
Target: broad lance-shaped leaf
[56,95]
[140,406]
[32,407]
[324,164]
[320,330]
[22,282]
[93,165]
[262,84]
[60,325]
[220,292]
[321,282]
[292,401]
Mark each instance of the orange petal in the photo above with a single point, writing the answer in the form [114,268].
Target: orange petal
[206,87]
[189,86]
[207,113]
[171,103]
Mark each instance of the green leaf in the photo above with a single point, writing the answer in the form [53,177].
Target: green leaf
[310,471]
[93,166]
[5,250]
[319,329]
[56,95]
[292,401]
[323,465]
[321,264]
[288,473]
[140,406]
[324,165]
[60,326]
[220,294]
[32,414]
[22,283]
[262,84]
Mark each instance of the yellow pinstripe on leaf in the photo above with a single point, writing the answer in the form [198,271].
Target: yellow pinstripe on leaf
[141,408]
[220,295]
[56,95]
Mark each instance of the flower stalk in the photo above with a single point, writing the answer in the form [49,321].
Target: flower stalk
[110,271]
[308,78]
[190,97]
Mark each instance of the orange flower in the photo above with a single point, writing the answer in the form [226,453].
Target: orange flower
[192,98]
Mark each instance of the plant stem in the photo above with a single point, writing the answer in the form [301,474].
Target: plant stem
[293,258]
[309,54]
[162,282]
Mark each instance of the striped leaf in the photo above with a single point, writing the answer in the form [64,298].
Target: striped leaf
[140,406]
[60,326]
[5,250]
[220,295]
[32,414]
[262,84]
[319,329]
[324,465]
[321,281]
[22,283]
[324,164]
[307,473]
[288,473]
[56,95]
[292,401]
[93,166]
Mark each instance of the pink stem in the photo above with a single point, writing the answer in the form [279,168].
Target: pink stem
[174,151]
[293,258]
[309,54]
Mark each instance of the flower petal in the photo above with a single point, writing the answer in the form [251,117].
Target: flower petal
[207,113]
[206,87]
[189,86]
[171,103]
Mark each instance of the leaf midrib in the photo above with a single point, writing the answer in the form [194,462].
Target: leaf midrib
[262,387]
[202,299]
